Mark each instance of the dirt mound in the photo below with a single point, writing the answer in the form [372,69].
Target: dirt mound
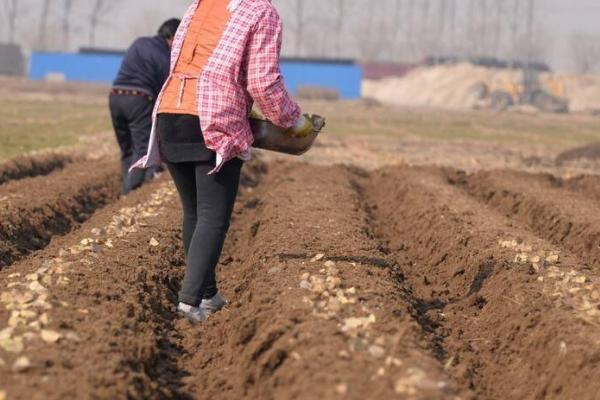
[302,327]
[33,210]
[451,86]
[482,283]
[588,151]
[282,336]
[34,165]
[567,218]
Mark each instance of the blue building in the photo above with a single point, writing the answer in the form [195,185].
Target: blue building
[341,76]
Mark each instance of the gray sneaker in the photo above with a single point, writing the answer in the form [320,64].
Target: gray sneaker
[194,314]
[213,305]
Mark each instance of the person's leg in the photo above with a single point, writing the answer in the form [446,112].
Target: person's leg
[140,125]
[215,200]
[184,176]
[123,135]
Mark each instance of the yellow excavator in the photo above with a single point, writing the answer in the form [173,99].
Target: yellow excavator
[545,92]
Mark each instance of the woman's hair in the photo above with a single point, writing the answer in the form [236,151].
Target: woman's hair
[168,29]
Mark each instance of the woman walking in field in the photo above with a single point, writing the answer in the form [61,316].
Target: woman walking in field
[225,57]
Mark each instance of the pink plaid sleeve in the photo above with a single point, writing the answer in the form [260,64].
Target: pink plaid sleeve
[265,83]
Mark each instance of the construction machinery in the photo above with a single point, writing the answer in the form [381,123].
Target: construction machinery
[544,91]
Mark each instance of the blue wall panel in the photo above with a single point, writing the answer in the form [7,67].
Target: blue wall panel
[103,68]
[97,68]
[346,78]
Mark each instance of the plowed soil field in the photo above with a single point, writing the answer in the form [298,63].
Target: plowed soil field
[343,283]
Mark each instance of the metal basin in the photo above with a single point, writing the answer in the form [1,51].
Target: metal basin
[270,137]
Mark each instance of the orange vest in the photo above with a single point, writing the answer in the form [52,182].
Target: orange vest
[201,39]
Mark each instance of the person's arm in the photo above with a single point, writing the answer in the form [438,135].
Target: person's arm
[265,83]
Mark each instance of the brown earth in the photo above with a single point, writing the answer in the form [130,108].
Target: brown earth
[34,165]
[34,210]
[406,282]
[500,328]
[564,212]
[588,151]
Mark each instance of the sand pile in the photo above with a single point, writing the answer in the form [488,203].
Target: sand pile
[583,92]
[450,86]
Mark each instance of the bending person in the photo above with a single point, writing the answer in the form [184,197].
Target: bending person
[143,72]
[225,56]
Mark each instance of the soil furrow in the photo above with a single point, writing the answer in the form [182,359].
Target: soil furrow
[392,284]
[34,210]
[282,336]
[285,334]
[488,289]
[108,296]
[34,165]
[564,212]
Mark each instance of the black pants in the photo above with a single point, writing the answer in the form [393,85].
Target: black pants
[132,121]
[207,201]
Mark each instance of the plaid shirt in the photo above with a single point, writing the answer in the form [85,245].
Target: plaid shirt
[243,68]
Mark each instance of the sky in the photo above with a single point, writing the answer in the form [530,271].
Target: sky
[557,21]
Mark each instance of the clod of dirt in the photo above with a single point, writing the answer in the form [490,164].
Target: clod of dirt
[154,242]
[22,364]
[588,151]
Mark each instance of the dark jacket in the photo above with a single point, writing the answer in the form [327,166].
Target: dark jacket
[145,66]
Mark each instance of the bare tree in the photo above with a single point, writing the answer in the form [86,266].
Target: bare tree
[514,28]
[585,53]
[11,9]
[43,27]
[339,26]
[425,29]
[410,26]
[498,26]
[374,37]
[483,26]
[100,8]
[441,23]
[452,24]
[397,25]
[530,30]
[299,26]
[66,22]
[471,36]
